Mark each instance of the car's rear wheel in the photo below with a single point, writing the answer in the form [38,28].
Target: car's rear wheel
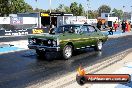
[67,52]
[99,46]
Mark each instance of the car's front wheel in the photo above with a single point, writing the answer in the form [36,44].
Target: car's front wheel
[99,46]
[67,52]
[40,53]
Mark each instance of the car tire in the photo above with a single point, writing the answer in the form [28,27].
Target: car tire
[40,54]
[98,46]
[67,52]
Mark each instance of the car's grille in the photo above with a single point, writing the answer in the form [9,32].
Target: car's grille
[38,41]
[43,42]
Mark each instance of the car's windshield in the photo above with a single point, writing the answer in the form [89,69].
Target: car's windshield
[67,28]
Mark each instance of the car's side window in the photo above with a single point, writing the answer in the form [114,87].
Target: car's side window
[62,29]
[84,29]
[66,28]
[71,29]
[59,29]
[77,29]
[91,29]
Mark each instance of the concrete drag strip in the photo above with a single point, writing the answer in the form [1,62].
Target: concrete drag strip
[70,78]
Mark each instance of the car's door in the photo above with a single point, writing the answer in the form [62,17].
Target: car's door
[85,36]
[78,41]
[93,35]
[75,37]
[72,35]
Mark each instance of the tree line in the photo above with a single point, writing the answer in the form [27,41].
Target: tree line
[14,6]
[20,6]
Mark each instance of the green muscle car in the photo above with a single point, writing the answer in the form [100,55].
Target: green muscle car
[68,38]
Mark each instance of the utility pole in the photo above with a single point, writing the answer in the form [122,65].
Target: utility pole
[87,7]
[50,12]
[131,14]
[123,13]
[50,5]
[38,15]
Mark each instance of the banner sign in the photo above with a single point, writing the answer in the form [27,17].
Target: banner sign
[56,14]
[37,31]
[44,14]
[16,20]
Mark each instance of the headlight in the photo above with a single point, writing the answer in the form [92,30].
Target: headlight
[54,43]
[49,41]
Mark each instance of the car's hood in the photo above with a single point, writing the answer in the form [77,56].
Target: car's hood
[60,36]
[45,35]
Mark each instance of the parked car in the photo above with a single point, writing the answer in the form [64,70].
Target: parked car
[68,38]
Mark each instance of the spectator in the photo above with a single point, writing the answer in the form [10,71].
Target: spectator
[111,31]
[115,26]
[99,24]
[71,30]
[123,26]
[129,27]
[52,27]
[85,23]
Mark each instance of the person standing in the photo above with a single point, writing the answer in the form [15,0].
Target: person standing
[99,24]
[52,27]
[115,26]
[129,27]
[123,26]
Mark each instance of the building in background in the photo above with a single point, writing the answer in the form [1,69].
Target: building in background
[110,19]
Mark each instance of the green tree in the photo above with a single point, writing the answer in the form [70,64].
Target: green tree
[92,14]
[19,6]
[4,7]
[28,8]
[14,6]
[80,10]
[118,13]
[95,13]
[67,9]
[61,8]
[104,9]
[74,8]
[40,10]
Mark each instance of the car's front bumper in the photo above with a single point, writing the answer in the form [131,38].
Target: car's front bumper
[44,48]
